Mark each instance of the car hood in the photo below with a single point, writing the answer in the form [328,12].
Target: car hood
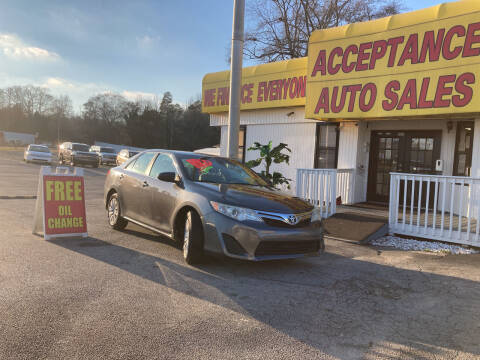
[253,197]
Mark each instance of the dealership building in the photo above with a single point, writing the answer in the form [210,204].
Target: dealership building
[385,111]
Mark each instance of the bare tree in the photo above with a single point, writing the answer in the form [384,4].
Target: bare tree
[283,27]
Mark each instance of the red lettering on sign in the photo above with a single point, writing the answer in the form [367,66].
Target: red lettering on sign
[320,63]
[443,90]
[362,56]
[434,47]
[471,39]
[447,53]
[379,50]
[351,49]
[466,91]
[410,51]
[391,95]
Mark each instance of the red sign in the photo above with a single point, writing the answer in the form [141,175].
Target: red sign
[64,205]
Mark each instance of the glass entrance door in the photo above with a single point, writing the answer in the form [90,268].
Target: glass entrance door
[400,151]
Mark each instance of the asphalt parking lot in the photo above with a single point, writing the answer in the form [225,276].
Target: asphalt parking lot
[129,295]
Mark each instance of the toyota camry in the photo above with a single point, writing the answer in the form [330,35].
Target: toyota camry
[210,204]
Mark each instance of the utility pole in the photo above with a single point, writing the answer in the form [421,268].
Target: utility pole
[235,78]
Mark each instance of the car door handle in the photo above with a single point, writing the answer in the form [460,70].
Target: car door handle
[145,184]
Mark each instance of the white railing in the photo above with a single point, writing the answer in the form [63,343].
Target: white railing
[321,187]
[436,207]
[346,185]
[318,187]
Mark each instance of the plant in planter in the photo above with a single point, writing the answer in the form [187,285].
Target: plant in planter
[270,155]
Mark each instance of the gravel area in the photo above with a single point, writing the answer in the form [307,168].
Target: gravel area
[418,245]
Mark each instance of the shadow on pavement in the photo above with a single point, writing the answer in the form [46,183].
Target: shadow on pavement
[344,307]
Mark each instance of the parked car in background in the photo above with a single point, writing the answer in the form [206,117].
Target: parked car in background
[76,154]
[124,155]
[37,153]
[106,155]
[211,204]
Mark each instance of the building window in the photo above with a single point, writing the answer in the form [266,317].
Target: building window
[326,147]
[242,135]
[462,163]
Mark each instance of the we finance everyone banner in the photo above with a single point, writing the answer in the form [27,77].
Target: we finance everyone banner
[420,63]
[278,84]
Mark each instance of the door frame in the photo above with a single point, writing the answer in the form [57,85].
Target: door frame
[371,195]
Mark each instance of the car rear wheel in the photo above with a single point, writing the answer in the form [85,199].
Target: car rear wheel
[115,220]
[192,239]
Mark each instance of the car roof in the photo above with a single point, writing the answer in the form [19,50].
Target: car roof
[38,145]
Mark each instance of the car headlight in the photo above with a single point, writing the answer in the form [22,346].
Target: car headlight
[235,212]
[316,214]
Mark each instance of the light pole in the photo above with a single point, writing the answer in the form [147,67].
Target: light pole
[235,78]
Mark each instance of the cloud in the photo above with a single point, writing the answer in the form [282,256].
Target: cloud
[136,95]
[13,47]
[147,42]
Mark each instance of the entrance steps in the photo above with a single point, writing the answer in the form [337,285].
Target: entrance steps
[360,223]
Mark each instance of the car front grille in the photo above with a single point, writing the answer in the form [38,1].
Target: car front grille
[266,248]
[283,224]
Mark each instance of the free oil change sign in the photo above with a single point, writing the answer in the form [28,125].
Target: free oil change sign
[64,205]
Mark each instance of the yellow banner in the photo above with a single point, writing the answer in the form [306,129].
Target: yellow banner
[425,62]
[279,84]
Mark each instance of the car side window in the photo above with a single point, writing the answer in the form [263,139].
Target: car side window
[141,164]
[163,163]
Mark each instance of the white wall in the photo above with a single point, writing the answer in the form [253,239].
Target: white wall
[300,138]
[287,125]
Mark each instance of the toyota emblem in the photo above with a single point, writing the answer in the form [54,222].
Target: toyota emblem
[292,219]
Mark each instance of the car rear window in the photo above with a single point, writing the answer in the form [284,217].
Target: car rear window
[39,149]
[80,147]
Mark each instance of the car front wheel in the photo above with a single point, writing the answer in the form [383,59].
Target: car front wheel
[192,238]
[113,210]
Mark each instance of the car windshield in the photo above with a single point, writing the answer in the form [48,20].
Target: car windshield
[107,150]
[39,149]
[80,147]
[219,170]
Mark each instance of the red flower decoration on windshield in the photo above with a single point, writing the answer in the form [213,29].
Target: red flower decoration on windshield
[203,165]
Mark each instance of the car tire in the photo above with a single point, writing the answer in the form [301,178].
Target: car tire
[115,220]
[192,238]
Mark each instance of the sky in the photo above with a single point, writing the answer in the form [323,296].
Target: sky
[132,47]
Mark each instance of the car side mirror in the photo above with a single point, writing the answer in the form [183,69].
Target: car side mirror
[169,177]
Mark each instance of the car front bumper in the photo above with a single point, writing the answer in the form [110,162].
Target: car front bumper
[38,158]
[85,160]
[108,161]
[259,241]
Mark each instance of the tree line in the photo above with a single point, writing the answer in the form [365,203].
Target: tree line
[107,117]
